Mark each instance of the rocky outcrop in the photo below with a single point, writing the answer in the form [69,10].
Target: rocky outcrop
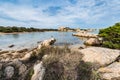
[35,52]
[85,34]
[111,72]
[39,72]
[64,29]
[16,65]
[99,55]
[93,42]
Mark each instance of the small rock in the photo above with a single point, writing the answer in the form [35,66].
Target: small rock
[11,46]
[39,41]
[9,72]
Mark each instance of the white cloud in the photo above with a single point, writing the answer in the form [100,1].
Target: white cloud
[90,12]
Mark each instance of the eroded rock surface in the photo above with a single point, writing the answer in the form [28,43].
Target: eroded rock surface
[99,55]
[39,72]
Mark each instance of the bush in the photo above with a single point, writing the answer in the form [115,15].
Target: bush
[86,71]
[111,36]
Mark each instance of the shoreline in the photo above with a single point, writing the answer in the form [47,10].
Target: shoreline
[2,33]
[32,47]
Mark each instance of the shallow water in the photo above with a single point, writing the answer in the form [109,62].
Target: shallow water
[29,40]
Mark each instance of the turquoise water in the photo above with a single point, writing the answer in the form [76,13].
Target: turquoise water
[29,40]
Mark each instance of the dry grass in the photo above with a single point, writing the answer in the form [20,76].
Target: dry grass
[64,64]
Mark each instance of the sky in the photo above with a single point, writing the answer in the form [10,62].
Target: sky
[55,13]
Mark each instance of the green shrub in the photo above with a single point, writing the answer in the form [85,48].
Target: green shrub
[107,44]
[111,36]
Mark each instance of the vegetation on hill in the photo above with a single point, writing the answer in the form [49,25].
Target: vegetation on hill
[111,36]
[22,29]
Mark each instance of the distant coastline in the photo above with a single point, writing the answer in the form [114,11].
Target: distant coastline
[3,33]
[16,30]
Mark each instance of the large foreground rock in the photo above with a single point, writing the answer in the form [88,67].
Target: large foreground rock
[111,72]
[99,55]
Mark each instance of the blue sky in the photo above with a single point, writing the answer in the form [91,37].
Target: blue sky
[55,13]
